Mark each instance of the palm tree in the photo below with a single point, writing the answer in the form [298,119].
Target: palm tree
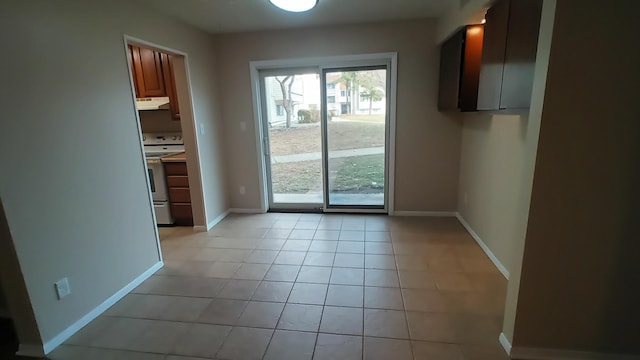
[351,79]
[372,94]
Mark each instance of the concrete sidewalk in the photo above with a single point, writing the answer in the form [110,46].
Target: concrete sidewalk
[332,155]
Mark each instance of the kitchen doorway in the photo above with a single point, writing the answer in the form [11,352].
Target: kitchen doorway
[326,133]
[180,125]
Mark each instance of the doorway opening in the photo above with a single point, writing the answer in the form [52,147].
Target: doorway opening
[326,133]
[167,131]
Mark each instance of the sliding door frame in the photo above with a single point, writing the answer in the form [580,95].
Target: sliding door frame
[364,66]
[266,144]
[321,63]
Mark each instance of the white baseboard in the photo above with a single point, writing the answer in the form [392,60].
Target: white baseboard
[425,213]
[246,211]
[484,247]
[506,345]
[211,223]
[524,353]
[68,332]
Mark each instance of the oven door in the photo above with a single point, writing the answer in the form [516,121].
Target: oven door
[157,180]
[163,213]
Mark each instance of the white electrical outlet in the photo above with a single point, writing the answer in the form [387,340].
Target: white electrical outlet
[242,190]
[201,129]
[62,288]
[243,126]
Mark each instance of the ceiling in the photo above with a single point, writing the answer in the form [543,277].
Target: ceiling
[224,16]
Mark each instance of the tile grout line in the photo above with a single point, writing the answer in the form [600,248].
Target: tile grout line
[315,345]
[406,315]
[333,267]
[285,305]
[239,316]
[273,332]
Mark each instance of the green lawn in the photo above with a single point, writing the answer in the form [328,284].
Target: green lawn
[355,175]
[358,174]
[296,177]
[342,135]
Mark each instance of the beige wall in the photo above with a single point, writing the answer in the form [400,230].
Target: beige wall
[491,179]
[158,121]
[496,173]
[206,129]
[455,16]
[74,192]
[528,167]
[427,142]
[581,269]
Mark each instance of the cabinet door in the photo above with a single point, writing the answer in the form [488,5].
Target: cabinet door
[520,54]
[170,84]
[175,168]
[133,70]
[180,181]
[182,214]
[493,52]
[179,195]
[471,68]
[148,70]
[450,67]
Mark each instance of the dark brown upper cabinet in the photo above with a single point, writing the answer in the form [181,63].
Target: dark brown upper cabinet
[509,54]
[460,69]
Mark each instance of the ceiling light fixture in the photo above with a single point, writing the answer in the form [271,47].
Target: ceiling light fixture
[295,5]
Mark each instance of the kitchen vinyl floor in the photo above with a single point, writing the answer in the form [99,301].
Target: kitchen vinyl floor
[308,286]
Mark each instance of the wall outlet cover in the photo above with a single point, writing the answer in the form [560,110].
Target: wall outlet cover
[62,288]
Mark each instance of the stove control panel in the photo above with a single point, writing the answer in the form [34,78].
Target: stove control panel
[162,139]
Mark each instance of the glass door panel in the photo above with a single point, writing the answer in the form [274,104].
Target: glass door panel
[355,137]
[291,108]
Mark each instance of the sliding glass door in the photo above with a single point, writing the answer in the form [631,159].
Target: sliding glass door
[293,138]
[325,137]
[355,137]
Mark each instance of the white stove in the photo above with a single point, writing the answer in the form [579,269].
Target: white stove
[157,145]
[162,144]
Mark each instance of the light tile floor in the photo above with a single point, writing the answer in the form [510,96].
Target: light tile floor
[308,286]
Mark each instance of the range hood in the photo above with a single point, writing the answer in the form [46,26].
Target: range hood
[152,103]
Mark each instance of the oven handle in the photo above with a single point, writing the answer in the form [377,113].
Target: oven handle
[152,181]
[153,161]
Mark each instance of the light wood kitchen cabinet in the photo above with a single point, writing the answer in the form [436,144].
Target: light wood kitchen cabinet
[459,70]
[153,76]
[179,193]
[509,54]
